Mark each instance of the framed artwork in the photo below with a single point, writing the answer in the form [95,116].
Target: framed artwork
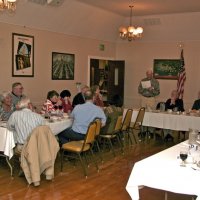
[166,68]
[22,55]
[62,66]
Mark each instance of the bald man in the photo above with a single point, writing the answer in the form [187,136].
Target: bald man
[148,89]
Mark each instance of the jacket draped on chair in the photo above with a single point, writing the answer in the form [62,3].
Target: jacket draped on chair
[39,154]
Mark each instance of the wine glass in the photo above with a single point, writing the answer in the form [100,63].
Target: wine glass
[183,156]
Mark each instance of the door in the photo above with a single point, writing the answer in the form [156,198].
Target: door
[116,78]
[109,75]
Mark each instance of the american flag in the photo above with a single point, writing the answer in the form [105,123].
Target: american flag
[181,77]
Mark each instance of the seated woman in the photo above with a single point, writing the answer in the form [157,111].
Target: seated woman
[196,105]
[52,103]
[174,103]
[65,98]
[97,96]
[112,112]
[6,106]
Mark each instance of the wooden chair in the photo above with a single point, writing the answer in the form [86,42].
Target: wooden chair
[110,136]
[80,147]
[138,122]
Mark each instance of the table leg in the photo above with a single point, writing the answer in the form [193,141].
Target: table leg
[11,168]
[166,195]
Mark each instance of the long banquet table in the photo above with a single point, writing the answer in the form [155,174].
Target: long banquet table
[7,142]
[164,120]
[163,171]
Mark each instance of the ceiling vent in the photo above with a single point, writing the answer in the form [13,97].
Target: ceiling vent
[48,2]
[42,2]
[152,21]
[55,2]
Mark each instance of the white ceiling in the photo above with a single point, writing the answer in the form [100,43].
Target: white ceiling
[146,7]
[100,19]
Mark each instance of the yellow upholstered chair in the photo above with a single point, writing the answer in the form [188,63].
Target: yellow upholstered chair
[125,129]
[114,134]
[138,122]
[77,148]
[98,129]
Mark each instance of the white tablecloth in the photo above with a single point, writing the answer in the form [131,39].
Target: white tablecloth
[169,121]
[7,142]
[58,126]
[163,171]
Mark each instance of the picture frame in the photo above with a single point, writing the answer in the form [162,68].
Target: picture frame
[63,66]
[22,55]
[166,68]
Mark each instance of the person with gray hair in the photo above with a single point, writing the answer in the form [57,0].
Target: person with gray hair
[23,121]
[82,115]
[6,106]
[80,98]
[17,92]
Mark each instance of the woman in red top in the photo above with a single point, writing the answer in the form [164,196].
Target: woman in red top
[97,96]
[52,103]
[65,98]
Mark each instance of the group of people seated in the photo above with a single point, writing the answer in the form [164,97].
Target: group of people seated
[176,105]
[86,106]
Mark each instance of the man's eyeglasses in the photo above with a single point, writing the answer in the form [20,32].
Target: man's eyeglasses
[20,88]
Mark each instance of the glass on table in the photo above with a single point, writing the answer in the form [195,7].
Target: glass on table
[183,157]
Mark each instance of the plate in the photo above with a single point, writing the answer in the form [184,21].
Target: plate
[195,167]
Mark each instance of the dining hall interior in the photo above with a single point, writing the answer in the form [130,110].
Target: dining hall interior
[90,32]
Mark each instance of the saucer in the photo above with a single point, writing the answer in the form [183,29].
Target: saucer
[195,167]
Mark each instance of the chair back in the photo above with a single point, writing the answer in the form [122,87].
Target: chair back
[139,118]
[118,124]
[91,133]
[127,120]
[98,128]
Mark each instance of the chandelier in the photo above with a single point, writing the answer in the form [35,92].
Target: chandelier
[130,32]
[9,5]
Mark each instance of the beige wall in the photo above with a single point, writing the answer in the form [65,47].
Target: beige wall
[139,57]
[45,43]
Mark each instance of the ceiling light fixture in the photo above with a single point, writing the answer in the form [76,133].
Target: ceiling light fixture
[9,5]
[130,32]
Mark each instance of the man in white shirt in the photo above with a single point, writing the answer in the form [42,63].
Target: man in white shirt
[23,121]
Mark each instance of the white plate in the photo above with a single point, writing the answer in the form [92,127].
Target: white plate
[195,167]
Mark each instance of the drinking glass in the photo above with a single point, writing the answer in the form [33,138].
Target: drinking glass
[183,156]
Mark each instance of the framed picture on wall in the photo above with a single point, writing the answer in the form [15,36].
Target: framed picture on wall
[22,55]
[166,68]
[63,66]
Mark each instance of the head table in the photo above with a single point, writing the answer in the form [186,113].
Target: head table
[165,120]
[163,171]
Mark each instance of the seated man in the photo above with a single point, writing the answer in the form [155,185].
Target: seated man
[112,112]
[79,98]
[82,115]
[196,105]
[17,93]
[23,121]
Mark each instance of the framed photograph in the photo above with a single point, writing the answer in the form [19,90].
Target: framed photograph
[166,68]
[62,66]
[22,55]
